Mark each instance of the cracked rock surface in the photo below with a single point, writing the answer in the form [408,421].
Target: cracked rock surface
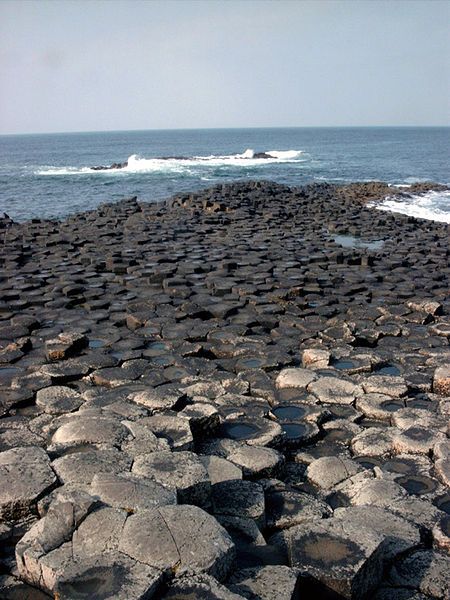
[213,397]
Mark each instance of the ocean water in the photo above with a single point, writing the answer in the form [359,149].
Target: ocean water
[51,176]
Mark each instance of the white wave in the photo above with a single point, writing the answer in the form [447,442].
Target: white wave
[138,164]
[434,206]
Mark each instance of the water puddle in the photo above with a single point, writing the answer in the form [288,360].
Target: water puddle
[288,413]
[417,484]
[351,241]
[388,370]
[239,430]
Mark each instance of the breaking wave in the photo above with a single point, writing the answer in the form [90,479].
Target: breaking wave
[181,164]
[433,206]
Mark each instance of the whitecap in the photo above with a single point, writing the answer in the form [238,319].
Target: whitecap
[434,206]
[181,165]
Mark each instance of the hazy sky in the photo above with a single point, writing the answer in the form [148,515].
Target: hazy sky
[109,65]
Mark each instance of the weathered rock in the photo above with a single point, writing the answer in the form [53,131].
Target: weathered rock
[25,474]
[59,399]
[181,537]
[266,583]
[328,471]
[294,378]
[220,469]
[343,557]
[80,467]
[332,390]
[130,493]
[239,499]
[286,508]
[190,586]
[426,571]
[180,471]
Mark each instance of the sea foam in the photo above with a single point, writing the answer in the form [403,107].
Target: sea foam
[433,206]
[139,164]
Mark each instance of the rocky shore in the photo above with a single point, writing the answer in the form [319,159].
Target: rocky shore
[239,393]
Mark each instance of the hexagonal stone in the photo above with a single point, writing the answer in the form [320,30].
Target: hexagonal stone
[113,576]
[374,442]
[25,474]
[328,471]
[180,471]
[80,467]
[425,570]
[239,499]
[130,493]
[315,358]
[156,399]
[294,378]
[385,384]
[190,587]
[332,390]
[266,583]
[66,344]
[220,469]
[416,440]
[441,381]
[174,429]
[184,538]
[82,430]
[58,399]
[401,535]
[345,558]
[255,431]
[256,461]
[98,533]
[418,417]
[442,468]
[377,492]
[379,406]
[286,508]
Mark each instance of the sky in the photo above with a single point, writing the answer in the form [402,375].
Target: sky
[94,65]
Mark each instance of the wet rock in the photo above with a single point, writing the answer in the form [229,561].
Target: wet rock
[25,474]
[254,431]
[401,536]
[112,576]
[345,558]
[180,471]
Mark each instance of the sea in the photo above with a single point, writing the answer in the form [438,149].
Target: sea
[52,175]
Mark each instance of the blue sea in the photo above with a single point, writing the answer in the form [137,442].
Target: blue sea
[51,175]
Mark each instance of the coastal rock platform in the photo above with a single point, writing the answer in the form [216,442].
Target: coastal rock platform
[238,393]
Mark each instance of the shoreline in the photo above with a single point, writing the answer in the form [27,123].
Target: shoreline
[247,387]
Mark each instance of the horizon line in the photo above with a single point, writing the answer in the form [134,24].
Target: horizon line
[75,132]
